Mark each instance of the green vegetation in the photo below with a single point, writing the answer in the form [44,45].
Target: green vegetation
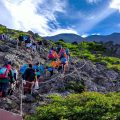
[85,106]
[74,86]
[14,34]
[92,51]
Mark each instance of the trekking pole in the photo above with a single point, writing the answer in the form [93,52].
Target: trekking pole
[21,103]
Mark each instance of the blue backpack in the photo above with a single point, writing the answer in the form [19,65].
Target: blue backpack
[3,72]
[35,67]
[50,69]
[38,73]
[41,68]
[67,51]
[23,68]
[63,60]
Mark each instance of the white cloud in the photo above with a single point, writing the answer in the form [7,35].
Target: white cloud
[68,30]
[95,34]
[33,15]
[84,35]
[115,4]
[93,1]
[100,15]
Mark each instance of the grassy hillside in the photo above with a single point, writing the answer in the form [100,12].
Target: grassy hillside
[15,33]
[92,51]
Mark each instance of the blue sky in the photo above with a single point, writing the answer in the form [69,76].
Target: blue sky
[50,17]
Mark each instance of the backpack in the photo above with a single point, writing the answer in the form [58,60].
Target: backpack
[4,72]
[35,67]
[50,69]
[41,68]
[25,38]
[51,56]
[64,60]
[23,68]
[67,52]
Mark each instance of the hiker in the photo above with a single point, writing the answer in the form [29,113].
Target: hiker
[40,46]
[24,67]
[42,69]
[29,77]
[58,49]
[52,54]
[34,47]
[28,42]
[5,78]
[14,78]
[50,69]
[64,60]
[62,50]
[20,38]
[68,54]
[56,64]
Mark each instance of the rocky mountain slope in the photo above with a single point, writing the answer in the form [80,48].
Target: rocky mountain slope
[85,73]
[82,75]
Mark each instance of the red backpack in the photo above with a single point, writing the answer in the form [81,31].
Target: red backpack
[51,56]
[4,71]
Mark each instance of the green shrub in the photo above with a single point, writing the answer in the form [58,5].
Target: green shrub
[78,87]
[85,106]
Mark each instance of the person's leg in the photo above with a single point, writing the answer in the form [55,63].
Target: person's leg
[51,73]
[65,67]
[60,68]
[0,89]
[5,89]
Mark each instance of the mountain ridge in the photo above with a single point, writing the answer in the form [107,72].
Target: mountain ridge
[70,37]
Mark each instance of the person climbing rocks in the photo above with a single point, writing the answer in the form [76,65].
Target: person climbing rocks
[20,38]
[34,47]
[5,78]
[64,60]
[68,54]
[49,69]
[29,77]
[14,77]
[58,49]
[24,67]
[40,46]
[62,50]
[53,54]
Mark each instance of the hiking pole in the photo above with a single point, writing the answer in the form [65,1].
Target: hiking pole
[21,103]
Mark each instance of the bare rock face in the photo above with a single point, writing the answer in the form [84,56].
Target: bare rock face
[4,48]
[112,49]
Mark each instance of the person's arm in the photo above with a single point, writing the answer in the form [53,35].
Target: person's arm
[11,77]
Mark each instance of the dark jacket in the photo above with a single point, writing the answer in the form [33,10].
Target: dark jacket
[20,38]
[29,74]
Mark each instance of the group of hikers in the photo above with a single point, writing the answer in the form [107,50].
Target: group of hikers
[29,42]
[33,73]
[3,37]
